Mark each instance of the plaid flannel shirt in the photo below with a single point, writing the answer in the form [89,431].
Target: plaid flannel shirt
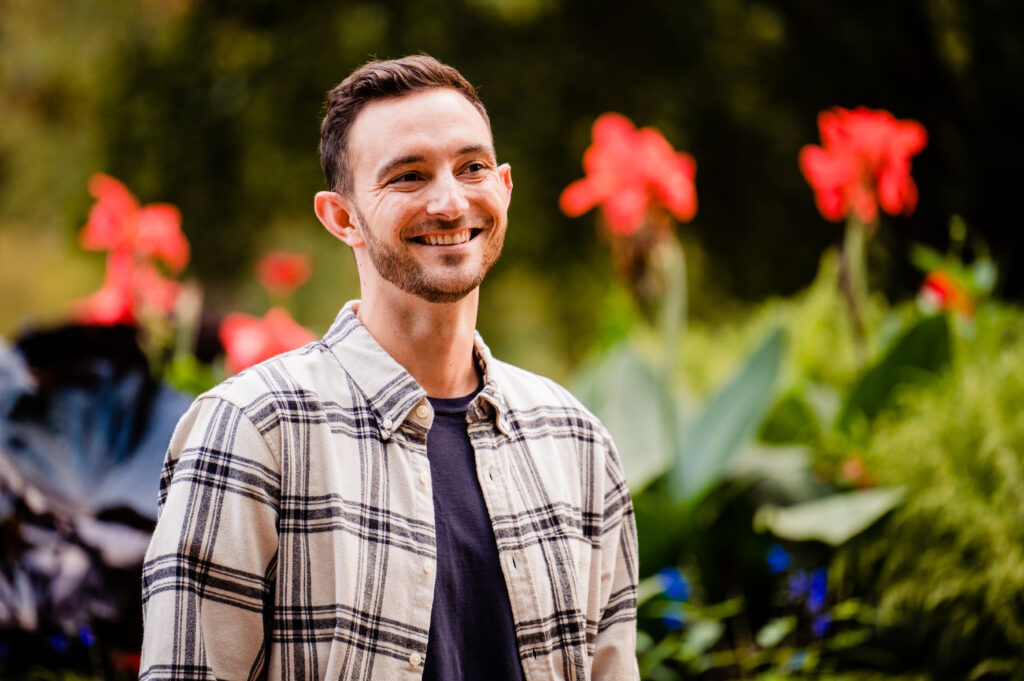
[295,538]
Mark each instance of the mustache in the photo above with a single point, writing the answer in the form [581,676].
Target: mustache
[461,222]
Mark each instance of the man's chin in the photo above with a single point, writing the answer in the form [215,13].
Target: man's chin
[443,297]
[442,294]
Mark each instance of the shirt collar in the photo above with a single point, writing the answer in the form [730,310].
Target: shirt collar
[390,390]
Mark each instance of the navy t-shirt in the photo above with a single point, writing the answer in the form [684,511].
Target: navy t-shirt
[472,635]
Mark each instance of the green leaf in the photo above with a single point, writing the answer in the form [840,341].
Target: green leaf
[785,471]
[834,519]
[637,409]
[777,629]
[928,259]
[920,352]
[699,637]
[729,419]
[791,420]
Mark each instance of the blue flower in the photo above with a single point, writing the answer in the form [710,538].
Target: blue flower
[673,620]
[86,636]
[799,584]
[59,642]
[778,559]
[674,584]
[818,590]
[820,625]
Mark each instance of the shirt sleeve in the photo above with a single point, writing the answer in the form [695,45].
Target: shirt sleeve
[615,644]
[209,573]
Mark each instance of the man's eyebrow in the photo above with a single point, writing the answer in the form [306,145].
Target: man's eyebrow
[397,163]
[477,149]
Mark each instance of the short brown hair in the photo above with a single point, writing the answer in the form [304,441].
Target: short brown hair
[372,81]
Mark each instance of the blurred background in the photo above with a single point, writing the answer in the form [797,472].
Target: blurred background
[762,392]
[215,107]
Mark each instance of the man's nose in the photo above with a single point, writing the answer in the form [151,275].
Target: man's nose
[447,199]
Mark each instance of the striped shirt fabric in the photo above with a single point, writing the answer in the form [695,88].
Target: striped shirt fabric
[295,537]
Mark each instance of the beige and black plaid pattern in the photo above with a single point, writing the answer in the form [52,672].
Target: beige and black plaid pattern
[295,539]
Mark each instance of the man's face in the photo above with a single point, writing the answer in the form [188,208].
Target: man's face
[428,195]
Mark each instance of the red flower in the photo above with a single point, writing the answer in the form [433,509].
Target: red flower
[248,340]
[940,291]
[118,223]
[281,272]
[136,238]
[864,161]
[127,289]
[628,170]
[109,306]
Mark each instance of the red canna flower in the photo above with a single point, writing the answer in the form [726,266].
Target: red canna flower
[864,162]
[118,223]
[136,238]
[281,272]
[628,171]
[940,291]
[248,340]
[109,306]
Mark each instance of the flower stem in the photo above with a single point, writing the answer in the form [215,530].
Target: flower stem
[853,282]
[672,263]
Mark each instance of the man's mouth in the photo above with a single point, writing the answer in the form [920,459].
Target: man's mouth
[447,238]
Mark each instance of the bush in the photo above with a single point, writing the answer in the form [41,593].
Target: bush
[951,559]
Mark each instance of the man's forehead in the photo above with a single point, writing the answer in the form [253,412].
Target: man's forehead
[439,116]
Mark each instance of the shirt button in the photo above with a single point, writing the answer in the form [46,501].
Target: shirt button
[426,568]
[424,479]
[386,424]
[422,411]
[415,659]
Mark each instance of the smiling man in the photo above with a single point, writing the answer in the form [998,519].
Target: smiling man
[392,502]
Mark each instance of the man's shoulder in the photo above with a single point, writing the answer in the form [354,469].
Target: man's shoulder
[279,380]
[525,390]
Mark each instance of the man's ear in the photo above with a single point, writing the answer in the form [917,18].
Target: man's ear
[338,216]
[505,173]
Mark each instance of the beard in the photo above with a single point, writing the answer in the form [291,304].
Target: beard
[451,281]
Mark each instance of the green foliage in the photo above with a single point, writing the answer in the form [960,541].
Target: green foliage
[730,417]
[912,466]
[702,640]
[922,350]
[834,519]
[951,559]
[637,409]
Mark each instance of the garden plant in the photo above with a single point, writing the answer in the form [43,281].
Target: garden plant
[828,488]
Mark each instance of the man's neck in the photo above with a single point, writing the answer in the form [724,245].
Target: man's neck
[433,341]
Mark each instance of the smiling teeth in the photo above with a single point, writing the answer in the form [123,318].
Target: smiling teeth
[447,239]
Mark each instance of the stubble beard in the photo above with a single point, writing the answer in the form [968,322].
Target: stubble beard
[412,277]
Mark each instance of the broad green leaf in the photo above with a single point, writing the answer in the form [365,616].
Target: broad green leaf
[730,417]
[636,408]
[834,519]
[785,471]
[920,352]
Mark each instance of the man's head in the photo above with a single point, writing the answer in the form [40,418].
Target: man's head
[417,190]
[372,81]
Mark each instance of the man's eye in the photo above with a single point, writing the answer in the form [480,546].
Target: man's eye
[406,177]
[476,167]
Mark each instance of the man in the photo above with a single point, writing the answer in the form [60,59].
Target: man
[392,502]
